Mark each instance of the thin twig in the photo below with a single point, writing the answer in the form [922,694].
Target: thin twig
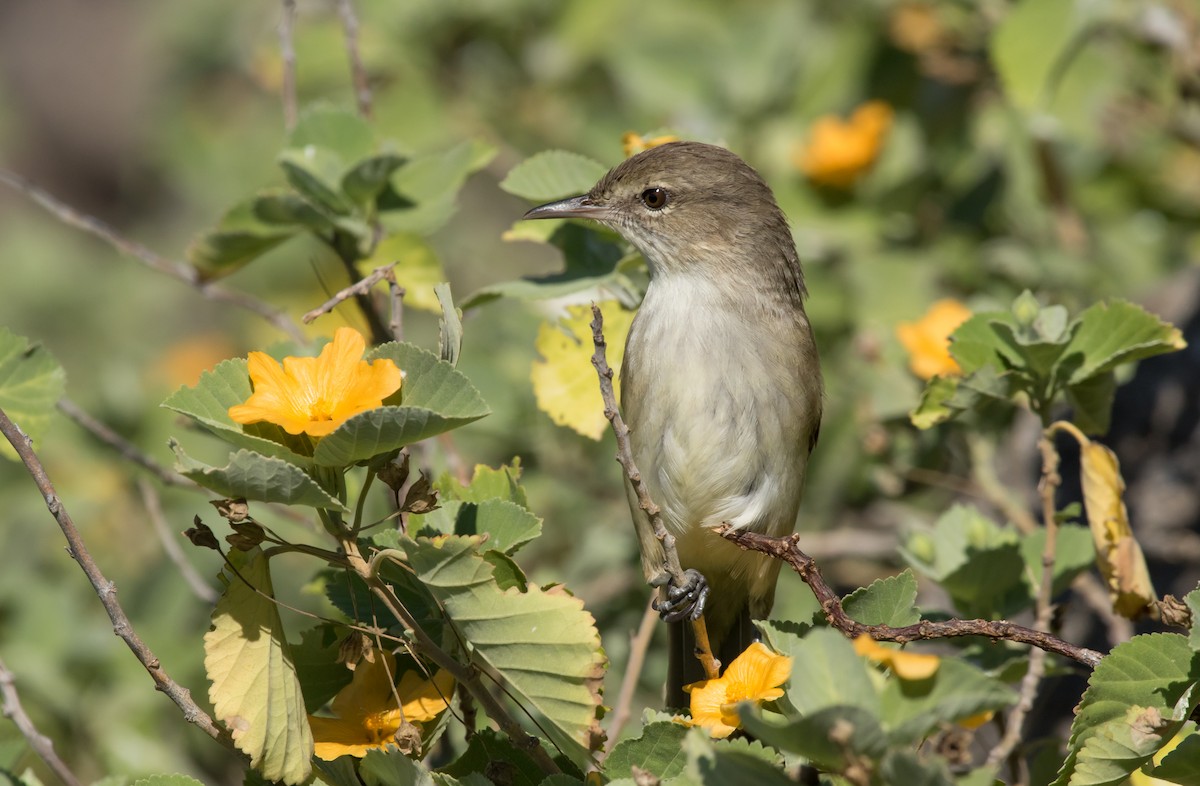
[983,471]
[358,289]
[362,87]
[123,446]
[105,589]
[288,53]
[1096,596]
[397,293]
[42,745]
[638,644]
[173,268]
[625,458]
[787,549]
[153,505]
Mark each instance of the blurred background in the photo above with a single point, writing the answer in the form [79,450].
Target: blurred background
[923,150]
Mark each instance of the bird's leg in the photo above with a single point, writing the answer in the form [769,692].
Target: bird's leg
[681,601]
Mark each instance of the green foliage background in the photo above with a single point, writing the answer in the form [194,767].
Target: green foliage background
[1039,146]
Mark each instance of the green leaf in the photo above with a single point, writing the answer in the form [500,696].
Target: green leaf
[905,767]
[1181,765]
[508,526]
[1075,553]
[167,780]
[486,748]
[239,238]
[914,708]
[317,174]
[657,750]
[288,209]
[343,131]
[591,259]
[975,343]
[888,601]
[826,670]
[1119,332]
[208,403]
[31,383]
[257,477]
[365,179]
[1091,402]
[253,685]
[321,675]
[1027,46]
[541,642]
[712,764]
[1151,670]
[430,184]
[450,329]
[487,483]
[553,174]
[824,737]
[436,398]
[940,402]
[1192,599]
[1122,745]
[393,768]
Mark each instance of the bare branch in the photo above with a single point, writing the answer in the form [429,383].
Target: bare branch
[638,644]
[201,588]
[127,449]
[288,53]
[173,268]
[625,458]
[362,88]
[358,289]
[105,589]
[397,293]
[787,549]
[42,745]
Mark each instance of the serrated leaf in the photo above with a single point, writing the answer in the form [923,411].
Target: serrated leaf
[450,329]
[712,764]
[316,658]
[833,675]
[487,746]
[542,643]
[487,483]
[436,398]
[938,403]
[430,183]
[1122,745]
[975,343]
[913,708]
[887,601]
[253,685]
[1181,764]
[553,174]
[657,750]
[1157,669]
[259,478]
[591,258]
[1091,402]
[367,177]
[508,526]
[316,172]
[1192,599]
[1119,332]
[341,130]
[856,730]
[31,383]
[564,380]
[239,238]
[208,403]
[393,768]
[1074,554]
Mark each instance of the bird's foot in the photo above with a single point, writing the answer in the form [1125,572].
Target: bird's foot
[683,601]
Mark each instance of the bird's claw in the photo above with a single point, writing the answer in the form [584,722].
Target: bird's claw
[683,601]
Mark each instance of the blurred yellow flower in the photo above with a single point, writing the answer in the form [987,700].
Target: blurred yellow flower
[755,676]
[316,395]
[838,152]
[184,361]
[905,665]
[636,143]
[370,710]
[928,339]
[915,27]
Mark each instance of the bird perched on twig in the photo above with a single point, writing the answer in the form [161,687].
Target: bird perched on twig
[721,382]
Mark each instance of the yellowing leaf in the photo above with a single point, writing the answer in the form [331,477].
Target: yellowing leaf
[419,269]
[1118,554]
[253,685]
[564,380]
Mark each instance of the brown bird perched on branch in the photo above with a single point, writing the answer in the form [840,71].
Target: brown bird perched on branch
[720,385]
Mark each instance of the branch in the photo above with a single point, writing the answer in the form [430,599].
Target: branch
[288,53]
[362,89]
[105,589]
[175,269]
[127,449]
[359,289]
[638,644]
[625,458]
[788,550]
[42,745]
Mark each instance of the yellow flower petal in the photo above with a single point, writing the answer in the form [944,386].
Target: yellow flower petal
[927,340]
[635,143]
[838,152]
[905,665]
[316,395]
[756,676]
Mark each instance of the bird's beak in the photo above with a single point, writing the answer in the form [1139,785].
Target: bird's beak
[574,207]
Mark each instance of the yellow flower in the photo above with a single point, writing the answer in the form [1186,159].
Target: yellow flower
[316,395]
[928,339]
[636,143]
[905,665]
[838,151]
[370,710]
[755,676]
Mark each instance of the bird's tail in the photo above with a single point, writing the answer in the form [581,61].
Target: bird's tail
[682,666]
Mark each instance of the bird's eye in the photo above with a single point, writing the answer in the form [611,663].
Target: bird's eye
[655,198]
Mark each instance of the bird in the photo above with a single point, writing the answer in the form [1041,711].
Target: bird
[721,382]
